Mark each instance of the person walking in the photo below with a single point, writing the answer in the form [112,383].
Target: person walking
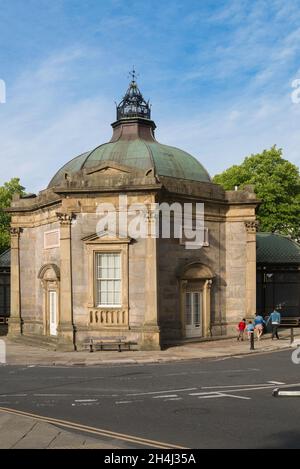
[274,318]
[259,325]
[241,329]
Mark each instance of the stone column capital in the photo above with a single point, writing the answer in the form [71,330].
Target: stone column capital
[65,219]
[15,231]
[251,226]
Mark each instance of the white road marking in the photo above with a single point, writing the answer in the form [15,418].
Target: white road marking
[161,392]
[275,382]
[51,395]
[236,386]
[252,389]
[212,395]
[123,402]
[174,399]
[236,397]
[165,396]
[86,400]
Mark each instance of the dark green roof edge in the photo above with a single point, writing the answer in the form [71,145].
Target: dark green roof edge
[274,248]
[5,258]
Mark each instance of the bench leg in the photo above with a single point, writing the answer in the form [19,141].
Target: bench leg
[292,335]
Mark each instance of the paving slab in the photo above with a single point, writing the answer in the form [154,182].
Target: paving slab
[18,432]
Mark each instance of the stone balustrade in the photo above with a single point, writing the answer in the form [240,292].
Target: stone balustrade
[108,317]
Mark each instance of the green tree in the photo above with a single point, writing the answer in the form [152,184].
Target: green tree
[276,183]
[6,194]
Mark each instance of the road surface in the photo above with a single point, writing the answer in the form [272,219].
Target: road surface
[215,403]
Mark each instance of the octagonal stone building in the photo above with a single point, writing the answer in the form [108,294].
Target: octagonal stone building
[71,282]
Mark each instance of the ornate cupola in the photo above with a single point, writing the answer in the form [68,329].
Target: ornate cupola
[133,104]
[133,116]
[133,145]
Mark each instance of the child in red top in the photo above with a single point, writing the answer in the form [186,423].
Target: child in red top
[241,329]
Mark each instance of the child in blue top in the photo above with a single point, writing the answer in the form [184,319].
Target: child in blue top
[250,329]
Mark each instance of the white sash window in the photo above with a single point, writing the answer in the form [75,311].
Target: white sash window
[108,279]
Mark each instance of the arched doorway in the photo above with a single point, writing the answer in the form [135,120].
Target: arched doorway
[195,286]
[49,275]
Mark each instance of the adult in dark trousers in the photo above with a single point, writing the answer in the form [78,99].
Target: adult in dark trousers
[274,318]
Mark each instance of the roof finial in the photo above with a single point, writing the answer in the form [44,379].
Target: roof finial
[133,74]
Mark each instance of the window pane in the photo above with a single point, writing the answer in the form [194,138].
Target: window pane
[117,298]
[103,298]
[110,298]
[196,309]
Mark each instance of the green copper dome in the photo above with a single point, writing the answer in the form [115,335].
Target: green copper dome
[138,154]
[133,145]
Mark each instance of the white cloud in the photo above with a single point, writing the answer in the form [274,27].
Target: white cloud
[225,136]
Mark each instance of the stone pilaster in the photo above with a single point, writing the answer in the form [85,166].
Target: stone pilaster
[15,320]
[151,330]
[66,330]
[207,307]
[251,227]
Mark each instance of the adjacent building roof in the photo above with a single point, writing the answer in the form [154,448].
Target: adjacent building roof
[5,259]
[272,248]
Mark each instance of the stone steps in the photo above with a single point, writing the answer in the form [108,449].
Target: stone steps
[49,343]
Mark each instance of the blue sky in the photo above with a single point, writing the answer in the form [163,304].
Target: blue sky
[218,74]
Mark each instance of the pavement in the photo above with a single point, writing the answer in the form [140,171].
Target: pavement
[23,432]
[18,353]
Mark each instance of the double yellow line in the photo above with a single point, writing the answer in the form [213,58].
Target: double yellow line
[93,430]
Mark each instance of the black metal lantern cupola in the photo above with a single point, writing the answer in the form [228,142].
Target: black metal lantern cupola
[133,104]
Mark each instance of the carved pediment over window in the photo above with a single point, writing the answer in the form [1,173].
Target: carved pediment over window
[107,237]
[110,168]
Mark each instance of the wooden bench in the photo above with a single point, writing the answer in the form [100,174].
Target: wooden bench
[290,322]
[94,345]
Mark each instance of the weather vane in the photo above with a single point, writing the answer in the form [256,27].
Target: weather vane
[133,74]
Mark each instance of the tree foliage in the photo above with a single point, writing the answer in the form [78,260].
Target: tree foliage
[276,183]
[6,194]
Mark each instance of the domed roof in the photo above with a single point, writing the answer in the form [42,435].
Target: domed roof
[273,248]
[138,154]
[133,145]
